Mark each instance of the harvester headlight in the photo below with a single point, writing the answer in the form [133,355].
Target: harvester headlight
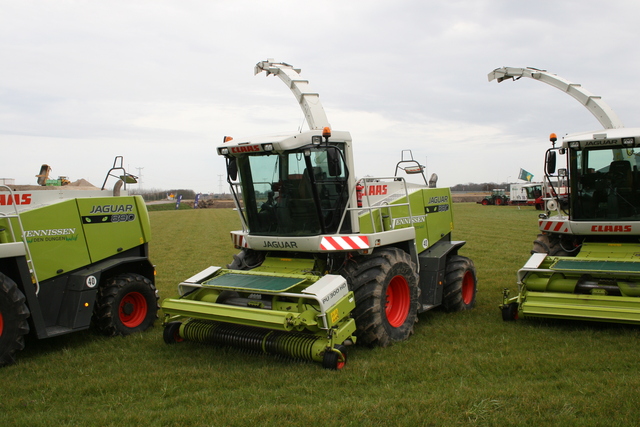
[267,147]
[316,139]
[629,142]
[574,144]
[224,151]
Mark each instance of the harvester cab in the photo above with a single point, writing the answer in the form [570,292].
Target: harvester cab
[585,262]
[325,259]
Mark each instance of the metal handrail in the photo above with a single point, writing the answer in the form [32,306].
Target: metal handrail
[32,269]
[371,208]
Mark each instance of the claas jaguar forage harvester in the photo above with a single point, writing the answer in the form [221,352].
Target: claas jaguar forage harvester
[325,259]
[72,258]
[585,263]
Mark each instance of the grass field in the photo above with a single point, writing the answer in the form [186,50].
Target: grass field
[467,368]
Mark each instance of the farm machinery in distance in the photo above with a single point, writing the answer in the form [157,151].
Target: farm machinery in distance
[585,263]
[325,259]
[497,197]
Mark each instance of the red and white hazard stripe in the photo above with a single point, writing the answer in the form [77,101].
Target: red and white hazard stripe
[344,243]
[554,226]
[239,241]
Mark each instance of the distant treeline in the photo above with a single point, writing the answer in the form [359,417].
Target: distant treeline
[484,186]
[153,194]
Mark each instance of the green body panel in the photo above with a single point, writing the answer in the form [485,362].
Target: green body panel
[78,232]
[431,213]
[602,283]
[600,308]
[113,225]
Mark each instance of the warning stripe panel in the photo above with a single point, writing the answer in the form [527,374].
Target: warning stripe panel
[347,243]
[239,240]
[555,226]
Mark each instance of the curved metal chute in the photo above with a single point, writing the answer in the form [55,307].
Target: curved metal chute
[309,101]
[596,106]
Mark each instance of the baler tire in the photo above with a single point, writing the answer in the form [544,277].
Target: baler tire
[331,359]
[13,320]
[510,312]
[387,295]
[171,333]
[550,245]
[460,284]
[125,304]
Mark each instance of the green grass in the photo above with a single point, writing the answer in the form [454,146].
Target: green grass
[467,368]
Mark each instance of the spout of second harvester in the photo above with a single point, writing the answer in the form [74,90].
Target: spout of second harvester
[596,106]
[309,101]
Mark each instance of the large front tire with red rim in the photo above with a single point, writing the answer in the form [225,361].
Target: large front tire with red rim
[460,283]
[387,294]
[126,303]
[13,320]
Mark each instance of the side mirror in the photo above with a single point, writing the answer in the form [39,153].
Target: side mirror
[334,161]
[551,162]
[232,168]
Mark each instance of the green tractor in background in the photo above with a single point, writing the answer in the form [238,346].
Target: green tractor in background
[498,197]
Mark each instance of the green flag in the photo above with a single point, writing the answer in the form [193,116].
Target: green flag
[524,175]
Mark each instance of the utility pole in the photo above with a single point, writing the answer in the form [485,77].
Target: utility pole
[140,177]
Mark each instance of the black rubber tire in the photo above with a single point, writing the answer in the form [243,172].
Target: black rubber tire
[13,320]
[460,284]
[369,278]
[171,333]
[510,312]
[125,304]
[549,244]
[331,359]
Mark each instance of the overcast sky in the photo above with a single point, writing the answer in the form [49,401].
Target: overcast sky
[161,82]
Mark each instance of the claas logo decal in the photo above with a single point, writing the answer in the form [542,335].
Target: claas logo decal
[376,190]
[18,199]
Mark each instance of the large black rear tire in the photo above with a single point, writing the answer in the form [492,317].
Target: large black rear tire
[387,294]
[13,320]
[126,303]
[460,284]
[550,244]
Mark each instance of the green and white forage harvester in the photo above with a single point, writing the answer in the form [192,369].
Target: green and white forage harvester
[585,263]
[325,259]
[71,257]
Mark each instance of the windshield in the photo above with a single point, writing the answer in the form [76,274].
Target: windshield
[292,194]
[607,184]
[533,192]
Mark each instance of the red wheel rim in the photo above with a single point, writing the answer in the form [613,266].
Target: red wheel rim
[341,362]
[133,309]
[485,202]
[1,324]
[468,286]
[398,301]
